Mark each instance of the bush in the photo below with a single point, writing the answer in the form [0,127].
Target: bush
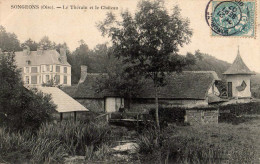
[234,113]
[170,115]
[242,108]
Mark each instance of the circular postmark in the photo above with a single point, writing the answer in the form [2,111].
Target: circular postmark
[227,18]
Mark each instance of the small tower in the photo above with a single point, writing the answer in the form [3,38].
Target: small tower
[238,79]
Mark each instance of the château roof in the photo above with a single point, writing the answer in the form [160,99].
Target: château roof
[36,58]
[238,67]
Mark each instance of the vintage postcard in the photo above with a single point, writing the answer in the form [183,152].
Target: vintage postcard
[129,81]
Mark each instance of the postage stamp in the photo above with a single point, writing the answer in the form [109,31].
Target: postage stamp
[231,17]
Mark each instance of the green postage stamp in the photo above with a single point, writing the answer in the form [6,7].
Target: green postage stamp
[232,18]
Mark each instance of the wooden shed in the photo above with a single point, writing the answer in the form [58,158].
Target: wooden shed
[67,107]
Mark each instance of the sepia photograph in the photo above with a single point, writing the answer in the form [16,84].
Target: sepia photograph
[129,81]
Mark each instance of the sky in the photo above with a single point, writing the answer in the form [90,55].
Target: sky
[72,25]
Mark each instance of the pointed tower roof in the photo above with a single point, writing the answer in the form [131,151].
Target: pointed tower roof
[238,67]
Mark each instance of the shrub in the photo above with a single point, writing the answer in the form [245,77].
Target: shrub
[233,113]
[242,108]
[170,115]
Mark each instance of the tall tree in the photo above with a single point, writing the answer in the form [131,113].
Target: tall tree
[20,108]
[149,41]
[46,43]
[124,83]
[31,44]
[8,41]
[79,57]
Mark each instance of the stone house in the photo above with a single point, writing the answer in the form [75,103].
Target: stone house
[43,66]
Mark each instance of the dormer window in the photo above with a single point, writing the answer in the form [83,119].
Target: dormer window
[28,62]
[59,60]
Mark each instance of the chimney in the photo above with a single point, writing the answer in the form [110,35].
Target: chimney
[39,50]
[63,55]
[83,73]
[26,50]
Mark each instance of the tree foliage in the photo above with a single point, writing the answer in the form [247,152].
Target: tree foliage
[31,44]
[8,41]
[20,108]
[96,59]
[148,41]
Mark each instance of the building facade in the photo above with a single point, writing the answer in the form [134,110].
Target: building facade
[44,67]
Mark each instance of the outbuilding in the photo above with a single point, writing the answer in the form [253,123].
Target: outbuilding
[67,107]
[238,78]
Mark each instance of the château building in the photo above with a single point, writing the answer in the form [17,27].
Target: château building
[44,67]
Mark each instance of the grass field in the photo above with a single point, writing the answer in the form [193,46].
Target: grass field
[221,143]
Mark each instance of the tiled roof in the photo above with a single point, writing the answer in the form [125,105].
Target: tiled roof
[64,102]
[89,88]
[238,67]
[37,58]
[185,85]
[70,90]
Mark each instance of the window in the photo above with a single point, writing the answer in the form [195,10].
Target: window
[47,78]
[34,79]
[27,70]
[47,68]
[57,68]
[34,70]
[57,79]
[65,80]
[51,68]
[27,80]
[65,69]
